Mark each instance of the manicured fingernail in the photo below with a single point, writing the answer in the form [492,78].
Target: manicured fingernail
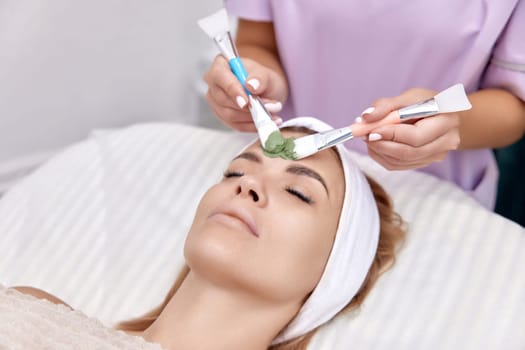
[240,101]
[278,120]
[368,110]
[254,83]
[374,137]
[273,107]
[358,120]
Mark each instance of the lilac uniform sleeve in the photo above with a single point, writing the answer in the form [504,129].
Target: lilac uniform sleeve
[257,10]
[507,66]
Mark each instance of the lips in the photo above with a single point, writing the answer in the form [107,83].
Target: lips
[239,214]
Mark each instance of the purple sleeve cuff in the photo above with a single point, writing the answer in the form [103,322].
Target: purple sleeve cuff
[507,67]
[256,10]
[501,74]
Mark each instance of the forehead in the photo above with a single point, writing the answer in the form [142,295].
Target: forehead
[327,162]
[329,155]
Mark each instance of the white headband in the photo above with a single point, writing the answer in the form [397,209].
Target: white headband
[353,250]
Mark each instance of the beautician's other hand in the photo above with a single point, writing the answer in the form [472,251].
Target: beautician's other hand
[228,99]
[411,145]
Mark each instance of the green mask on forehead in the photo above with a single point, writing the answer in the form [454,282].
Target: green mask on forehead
[279,146]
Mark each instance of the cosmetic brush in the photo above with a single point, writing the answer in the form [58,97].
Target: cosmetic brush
[216,26]
[453,99]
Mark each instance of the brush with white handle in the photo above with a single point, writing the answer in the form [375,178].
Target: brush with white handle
[216,26]
[453,99]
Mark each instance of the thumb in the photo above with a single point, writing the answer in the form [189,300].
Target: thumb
[265,83]
[381,107]
[258,78]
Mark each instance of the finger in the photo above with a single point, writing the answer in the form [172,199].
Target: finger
[406,153]
[245,127]
[420,133]
[222,100]
[220,76]
[226,109]
[389,165]
[411,164]
[385,105]
[265,82]
[381,107]
[273,107]
[376,112]
[257,80]
[249,126]
[218,68]
[230,116]
[218,96]
[394,164]
[218,100]
[265,87]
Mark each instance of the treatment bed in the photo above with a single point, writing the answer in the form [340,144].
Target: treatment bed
[101,225]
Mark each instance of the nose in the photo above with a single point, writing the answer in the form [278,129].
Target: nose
[251,188]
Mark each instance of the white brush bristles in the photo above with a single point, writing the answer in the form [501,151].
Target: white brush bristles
[305,146]
[453,99]
[215,24]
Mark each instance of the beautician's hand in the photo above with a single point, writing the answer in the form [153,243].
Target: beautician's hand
[415,145]
[228,99]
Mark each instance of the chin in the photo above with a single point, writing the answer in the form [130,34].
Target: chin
[231,268]
[231,259]
[215,255]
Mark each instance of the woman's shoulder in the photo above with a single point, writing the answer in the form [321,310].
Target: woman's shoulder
[40,294]
[55,325]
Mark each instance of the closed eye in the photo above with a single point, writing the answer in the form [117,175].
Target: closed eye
[231,173]
[299,195]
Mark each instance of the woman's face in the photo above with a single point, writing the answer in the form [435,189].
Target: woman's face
[268,227]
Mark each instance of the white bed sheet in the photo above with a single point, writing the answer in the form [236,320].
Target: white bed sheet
[102,226]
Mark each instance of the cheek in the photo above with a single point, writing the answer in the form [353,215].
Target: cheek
[222,254]
[301,244]
[285,263]
[216,254]
[201,244]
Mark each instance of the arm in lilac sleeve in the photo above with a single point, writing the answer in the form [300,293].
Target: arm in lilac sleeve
[507,67]
[256,10]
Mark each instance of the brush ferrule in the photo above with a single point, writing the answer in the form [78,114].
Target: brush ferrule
[225,43]
[419,110]
[333,137]
[259,113]
[261,118]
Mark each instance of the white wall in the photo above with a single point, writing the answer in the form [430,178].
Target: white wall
[69,66]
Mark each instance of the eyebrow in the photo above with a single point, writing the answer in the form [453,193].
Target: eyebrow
[292,169]
[249,156]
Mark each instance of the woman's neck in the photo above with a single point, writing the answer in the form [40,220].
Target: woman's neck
[203,316]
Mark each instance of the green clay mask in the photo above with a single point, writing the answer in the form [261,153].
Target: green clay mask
[278,146]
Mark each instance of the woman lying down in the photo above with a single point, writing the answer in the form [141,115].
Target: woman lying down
[277,248]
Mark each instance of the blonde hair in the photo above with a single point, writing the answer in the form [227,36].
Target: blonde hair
[391,235]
